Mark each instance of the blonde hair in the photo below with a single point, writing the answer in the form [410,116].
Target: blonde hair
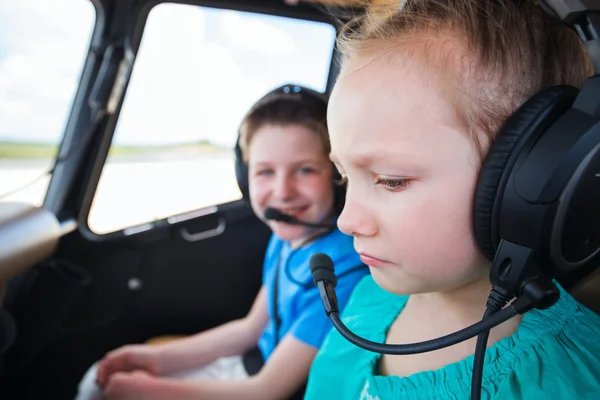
[285,109]
[497,53]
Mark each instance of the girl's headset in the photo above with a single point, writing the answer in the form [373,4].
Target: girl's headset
[316,104]
[537,203]
[537,200]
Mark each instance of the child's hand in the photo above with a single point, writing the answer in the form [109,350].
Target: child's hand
[125,359]
[140,385]
[132,386]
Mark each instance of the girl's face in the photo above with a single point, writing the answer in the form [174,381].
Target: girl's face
[411,176]
[289,171]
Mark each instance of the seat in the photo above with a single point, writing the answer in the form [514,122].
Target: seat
[163,339]
[587,291]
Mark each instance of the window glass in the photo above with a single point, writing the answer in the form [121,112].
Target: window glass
[197,72]
[43,46]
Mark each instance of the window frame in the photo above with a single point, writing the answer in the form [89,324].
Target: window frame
[302,12]
[69,137]
[75,128]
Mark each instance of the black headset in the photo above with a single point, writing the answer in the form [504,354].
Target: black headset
[315,101]
[537,199]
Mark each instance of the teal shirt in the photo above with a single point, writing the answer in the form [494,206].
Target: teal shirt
[555,354]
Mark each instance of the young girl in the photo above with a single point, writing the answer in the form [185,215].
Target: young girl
[285,142]
[422,92]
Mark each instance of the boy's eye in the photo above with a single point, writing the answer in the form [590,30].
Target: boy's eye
[393,184]
[264,172]
[306,170]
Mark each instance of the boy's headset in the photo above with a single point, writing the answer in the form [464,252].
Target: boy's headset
[537,203]
[316,103]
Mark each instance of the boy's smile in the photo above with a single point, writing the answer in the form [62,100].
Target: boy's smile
[288,171]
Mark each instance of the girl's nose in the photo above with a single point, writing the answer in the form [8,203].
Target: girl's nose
[355,219]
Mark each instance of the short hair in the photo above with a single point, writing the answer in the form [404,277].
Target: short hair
[279,108]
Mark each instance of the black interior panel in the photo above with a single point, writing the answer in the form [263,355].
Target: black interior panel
[98,293]
[142,286]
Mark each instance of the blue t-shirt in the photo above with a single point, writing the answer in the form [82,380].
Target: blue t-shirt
[300,309]
[555,354]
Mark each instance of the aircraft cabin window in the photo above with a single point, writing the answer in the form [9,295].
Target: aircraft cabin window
[197,72]
[43,46]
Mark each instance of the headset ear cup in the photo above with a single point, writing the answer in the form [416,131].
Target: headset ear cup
[241,172]
[531,119]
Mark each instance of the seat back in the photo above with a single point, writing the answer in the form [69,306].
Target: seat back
[587,291]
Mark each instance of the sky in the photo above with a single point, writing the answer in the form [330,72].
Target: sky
[196,74]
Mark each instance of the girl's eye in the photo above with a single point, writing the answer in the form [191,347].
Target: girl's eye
[393,185]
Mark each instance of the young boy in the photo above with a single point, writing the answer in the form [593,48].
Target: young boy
[285,142]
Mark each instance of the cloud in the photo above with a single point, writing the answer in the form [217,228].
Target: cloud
[197,72]
[254,34]
[186,85]
[43,53]
[178,91]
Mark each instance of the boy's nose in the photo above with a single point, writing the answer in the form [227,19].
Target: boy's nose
[285,188]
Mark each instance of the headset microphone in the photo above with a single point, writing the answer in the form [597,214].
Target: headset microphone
[323,274]
[276,215]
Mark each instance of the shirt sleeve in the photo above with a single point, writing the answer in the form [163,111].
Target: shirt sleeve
[567,364]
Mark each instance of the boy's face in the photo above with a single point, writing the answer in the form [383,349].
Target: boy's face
[288,171]
[411,177]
